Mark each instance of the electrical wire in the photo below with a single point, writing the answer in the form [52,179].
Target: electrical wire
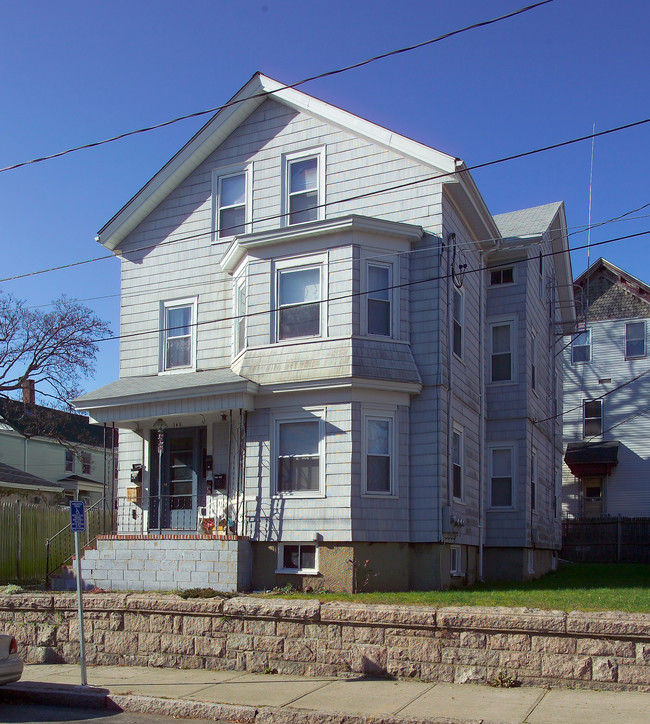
[319,76]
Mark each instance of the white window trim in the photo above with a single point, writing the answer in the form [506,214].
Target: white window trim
[502,322]
[240,281]
[456,566]
[500,269]
[223,172]
[584,418]
[305,414]
[295,263]
[587,361]
[645,343]
[455,428]
[170,304]
[287,159]
[379,413]
[368,262]
[513,485]
[297,571]
[461,323]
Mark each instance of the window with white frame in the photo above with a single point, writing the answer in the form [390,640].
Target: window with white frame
[592,415]
[635,339]
[69,461]
[501,477]
[299,295]
[455,561]
[297,558]
[232,207]
[581,347]
[178,334]
[304,186]
[239,322]
[458,313]
[501,334]
[379,299]
[298,455]
[86,463]
[457,463]
[379,454]
[499,277]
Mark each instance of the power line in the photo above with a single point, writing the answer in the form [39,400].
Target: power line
[352,295]
[356,197]
[326,74]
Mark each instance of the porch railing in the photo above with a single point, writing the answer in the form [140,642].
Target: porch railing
[146,513]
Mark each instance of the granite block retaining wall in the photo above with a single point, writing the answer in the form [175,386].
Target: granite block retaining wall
[312,638]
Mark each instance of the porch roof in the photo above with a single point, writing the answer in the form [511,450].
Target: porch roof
[591,458]
[137,398]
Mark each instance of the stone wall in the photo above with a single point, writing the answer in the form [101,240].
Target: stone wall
[312,638]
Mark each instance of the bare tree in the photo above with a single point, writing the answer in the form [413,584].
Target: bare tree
[55,349]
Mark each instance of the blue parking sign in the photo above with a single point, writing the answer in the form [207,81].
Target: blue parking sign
[77,516]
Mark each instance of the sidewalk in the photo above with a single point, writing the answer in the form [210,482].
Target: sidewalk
[279,699]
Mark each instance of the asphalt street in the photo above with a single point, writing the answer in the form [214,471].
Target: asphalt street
[11,712]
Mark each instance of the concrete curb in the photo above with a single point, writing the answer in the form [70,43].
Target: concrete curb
[100,698]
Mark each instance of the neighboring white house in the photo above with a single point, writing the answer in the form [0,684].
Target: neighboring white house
[330,348]
[607,397]
[62,457]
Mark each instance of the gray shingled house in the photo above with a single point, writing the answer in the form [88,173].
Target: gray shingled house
[338,369]
[607,388]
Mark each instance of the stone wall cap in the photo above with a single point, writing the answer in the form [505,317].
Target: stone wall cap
[387,614]
[502,618]
[298,609]
[609,623]
[27,601]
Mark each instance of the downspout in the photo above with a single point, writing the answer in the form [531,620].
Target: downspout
[482,481]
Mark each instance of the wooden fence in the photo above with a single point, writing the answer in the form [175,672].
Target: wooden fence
[606,540]
[24,531]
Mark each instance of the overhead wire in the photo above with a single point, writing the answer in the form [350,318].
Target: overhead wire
[319,76]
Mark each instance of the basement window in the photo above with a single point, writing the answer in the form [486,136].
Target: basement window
[297,558]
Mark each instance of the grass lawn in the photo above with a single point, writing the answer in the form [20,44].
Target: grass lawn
[581,587]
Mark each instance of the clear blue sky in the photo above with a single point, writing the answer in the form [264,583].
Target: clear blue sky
[75,72]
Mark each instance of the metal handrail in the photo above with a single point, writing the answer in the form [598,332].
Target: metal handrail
[48,542]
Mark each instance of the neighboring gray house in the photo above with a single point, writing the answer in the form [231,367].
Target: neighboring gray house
[607,397]
[331,349]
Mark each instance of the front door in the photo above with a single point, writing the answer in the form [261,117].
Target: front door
[180,488]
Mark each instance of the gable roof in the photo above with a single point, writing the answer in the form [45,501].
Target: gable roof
[36,420]
[526,223]
[13,477]
[237,109]
[609,292]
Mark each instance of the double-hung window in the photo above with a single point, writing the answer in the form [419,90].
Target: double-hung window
[635,339]
[69,461]
[231,203]
[379,454]
[501,477]
[581,347]
[304,186]
[178,335]
[458,324]
[239,323]
[299,294]
[298,444]
[457,463]
[502,276]
[297,558]
[379,300]
[501,352]
[592,417]
[86,463]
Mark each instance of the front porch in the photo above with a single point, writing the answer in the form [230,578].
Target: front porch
[168,562]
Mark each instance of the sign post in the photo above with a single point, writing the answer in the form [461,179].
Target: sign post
[78,525]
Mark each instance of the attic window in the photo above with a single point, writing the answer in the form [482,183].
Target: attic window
[230,201]
[304,182]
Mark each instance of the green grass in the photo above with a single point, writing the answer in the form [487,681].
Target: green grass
[575,587]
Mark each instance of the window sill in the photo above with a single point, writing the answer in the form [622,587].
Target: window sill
[297,571]
[380,496]
[177,371]
[284,495]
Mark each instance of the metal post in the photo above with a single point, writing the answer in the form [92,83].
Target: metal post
[82,651]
